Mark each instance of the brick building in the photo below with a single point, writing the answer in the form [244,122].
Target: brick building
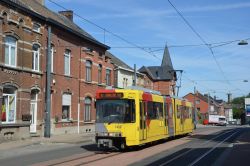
[201,104]
[78,63]
[206,105]
[161,78]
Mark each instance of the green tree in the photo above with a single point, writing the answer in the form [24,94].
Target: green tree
[237,112]
[239,106]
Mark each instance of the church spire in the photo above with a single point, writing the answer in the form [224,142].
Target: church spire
[166,60]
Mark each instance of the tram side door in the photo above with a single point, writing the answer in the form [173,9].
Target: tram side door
[170,123]
[143,126]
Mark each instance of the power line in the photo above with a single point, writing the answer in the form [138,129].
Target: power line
[203,40]
[216,44]
[105,30]
[242,80]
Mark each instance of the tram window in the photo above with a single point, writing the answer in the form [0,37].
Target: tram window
[190,112]
[184,112]
[158,110]
[179,111]
[141,115]
[170,111]
[132,112]
[166,109]
[151,112]
[155,110]
[115,111]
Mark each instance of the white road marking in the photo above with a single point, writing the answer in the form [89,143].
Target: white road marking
[180,155]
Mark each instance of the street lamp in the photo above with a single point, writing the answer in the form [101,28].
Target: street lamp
[243,42]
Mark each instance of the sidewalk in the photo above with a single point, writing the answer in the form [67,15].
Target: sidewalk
[64,138]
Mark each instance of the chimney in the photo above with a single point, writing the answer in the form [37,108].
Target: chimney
[229,97]
[41,2]
[68,14]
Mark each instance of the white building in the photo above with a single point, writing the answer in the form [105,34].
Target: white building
[124,74]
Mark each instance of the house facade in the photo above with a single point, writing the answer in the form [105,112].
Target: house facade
[79,67]
[206,105]
[124,74]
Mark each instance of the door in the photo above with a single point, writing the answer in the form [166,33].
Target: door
[143,126]
[33,111]
[169,117]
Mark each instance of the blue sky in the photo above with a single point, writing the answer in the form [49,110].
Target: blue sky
[153,24]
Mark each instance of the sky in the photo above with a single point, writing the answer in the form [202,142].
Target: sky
[151,25]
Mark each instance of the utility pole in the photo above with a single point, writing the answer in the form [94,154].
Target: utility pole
[134,82]
[48,89]
[208,102]
[195,110]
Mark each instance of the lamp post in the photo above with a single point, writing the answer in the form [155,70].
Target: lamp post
[243,42]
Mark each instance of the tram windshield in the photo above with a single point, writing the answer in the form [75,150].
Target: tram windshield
[115,111]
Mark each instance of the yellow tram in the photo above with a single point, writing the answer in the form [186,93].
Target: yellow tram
[131,117]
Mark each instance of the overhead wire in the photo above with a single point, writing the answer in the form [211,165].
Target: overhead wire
[105,30]
[205,43]
[144,48]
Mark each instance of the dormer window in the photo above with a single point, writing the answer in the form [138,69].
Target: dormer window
[36,27]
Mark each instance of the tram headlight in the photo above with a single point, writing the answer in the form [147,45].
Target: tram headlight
[115,134]
[111,134]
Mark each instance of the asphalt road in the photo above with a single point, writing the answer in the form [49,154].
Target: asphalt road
[214,149]
[225,146]
[42,152]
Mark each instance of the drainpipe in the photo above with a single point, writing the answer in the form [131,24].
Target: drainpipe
[1,98]
[79,93]
[195,110]
[48,88]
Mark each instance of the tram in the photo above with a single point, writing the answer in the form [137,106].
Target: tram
[132,117]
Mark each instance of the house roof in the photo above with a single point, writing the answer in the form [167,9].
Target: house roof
[118,62]
[41,11]
[163,72]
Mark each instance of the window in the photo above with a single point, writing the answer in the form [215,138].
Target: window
[67,62]
[99,74]
[36,27]
[88,70]
[52,57]
[10,51]
[9,105]
[35,58]
[151,113]
[66,106]
[197,101]
[155,110]
[125,82]
[108,77]
[87,109]
[179,109]
[190,110]
[115,111]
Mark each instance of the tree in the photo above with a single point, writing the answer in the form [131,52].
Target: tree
[238,104]
[237,112]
